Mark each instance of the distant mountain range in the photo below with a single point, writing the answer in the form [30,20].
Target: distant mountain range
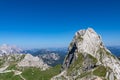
[7,50]
[51,56]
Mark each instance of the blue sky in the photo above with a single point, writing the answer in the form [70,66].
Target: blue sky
[52,23]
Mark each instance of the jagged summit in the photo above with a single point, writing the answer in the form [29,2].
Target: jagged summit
[82,32]
[87,41]
[89,59]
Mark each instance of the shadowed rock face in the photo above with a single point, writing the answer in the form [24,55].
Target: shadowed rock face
[87,58]
[70,58]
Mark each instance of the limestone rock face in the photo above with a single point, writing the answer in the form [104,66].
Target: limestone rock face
[89,59]
[31,61]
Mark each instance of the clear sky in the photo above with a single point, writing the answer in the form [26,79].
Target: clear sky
[52,23]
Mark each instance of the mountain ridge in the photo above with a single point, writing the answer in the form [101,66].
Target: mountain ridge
[87,58]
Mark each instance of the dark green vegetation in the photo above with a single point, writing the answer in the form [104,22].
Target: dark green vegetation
[12,67]
[84,74]
[79,38]
[37,74]
[9,76]
[76,65]
[1,62]
[94,60]
[100,71]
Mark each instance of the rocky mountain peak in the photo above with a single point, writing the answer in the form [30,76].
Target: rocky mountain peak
[83,32]
[88,56]
[87,41]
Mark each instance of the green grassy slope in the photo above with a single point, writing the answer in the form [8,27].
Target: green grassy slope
[32,74]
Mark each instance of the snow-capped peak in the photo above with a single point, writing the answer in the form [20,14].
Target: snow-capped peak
[6,49]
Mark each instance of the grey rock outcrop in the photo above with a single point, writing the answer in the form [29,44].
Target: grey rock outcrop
[31,61]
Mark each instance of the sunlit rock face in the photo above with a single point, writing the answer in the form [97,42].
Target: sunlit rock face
[31,61]
[87,58]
